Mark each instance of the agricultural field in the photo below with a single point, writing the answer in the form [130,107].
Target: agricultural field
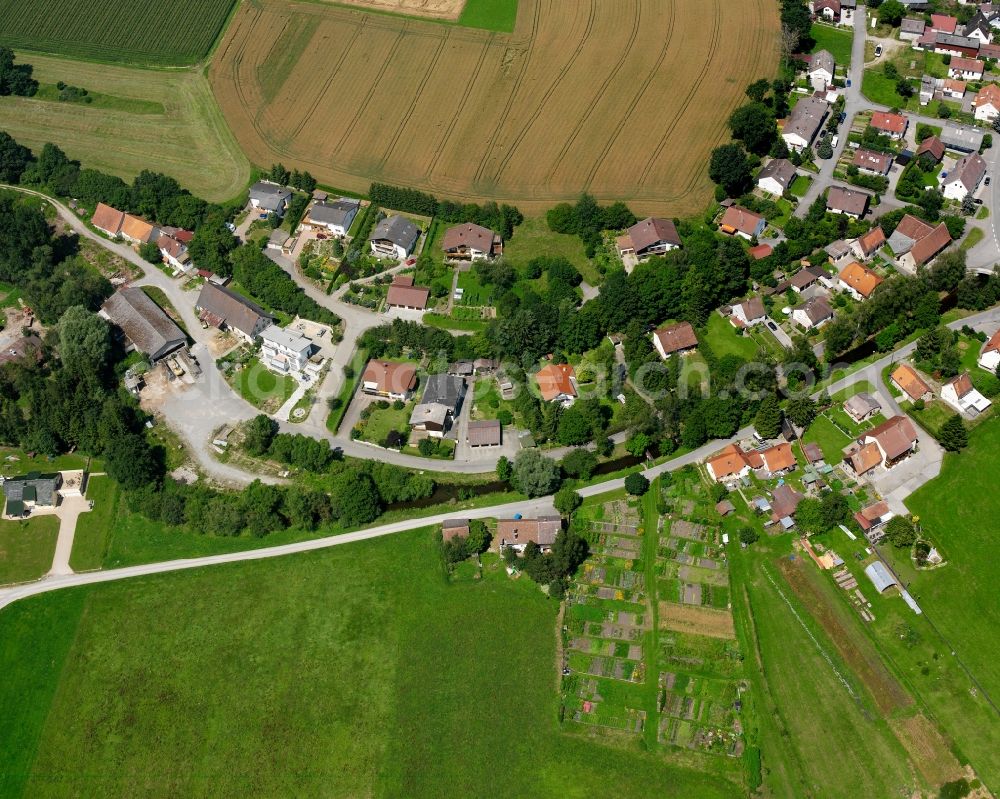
[127,31]
[370,673]
[166,121]
[533,126]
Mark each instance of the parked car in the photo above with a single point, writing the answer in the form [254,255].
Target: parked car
[878,50]
[987,181]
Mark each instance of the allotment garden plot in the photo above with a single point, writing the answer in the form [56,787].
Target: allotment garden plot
[622,98]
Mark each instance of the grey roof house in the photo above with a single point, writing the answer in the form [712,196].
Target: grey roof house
[23,493]
[443,389]
[394,237]
[336,216]
[269,197]
[219,307]
[143,323]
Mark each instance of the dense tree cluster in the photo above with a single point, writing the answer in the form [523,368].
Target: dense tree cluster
[588,220]
[15,78]
[501,219]
[462,547]
[553,568]
[400,336]
[274,287]
[303,181]
[51,275]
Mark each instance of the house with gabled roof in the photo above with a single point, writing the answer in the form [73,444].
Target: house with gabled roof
[862,406]
[965,178]
[108,220]
[858,281]
[776,176]
[821,70]
[813,313]
[389,379]
[896,439]
[403,294]
[470,242]
[872,519]
[932,149]
[865,247]
[728,465]
[144,324]
[804,122]
[963,396]
[557,383]
[224,309]
[516,534]
[989,356]
[335,217]
[748,313]
[269,197]
[926,249]
[905,378]
[740,221]
[775,460]
[892,125]
[679,338]
[650,236]
[966,68]
[872,162]
[849,202]
[394,237]
[986,105]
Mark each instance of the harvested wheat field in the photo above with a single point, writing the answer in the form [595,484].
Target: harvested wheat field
[440,9]
[703,621]
[621,98]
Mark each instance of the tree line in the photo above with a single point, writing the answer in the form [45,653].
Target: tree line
[501,219]
[15,79]
[274,287]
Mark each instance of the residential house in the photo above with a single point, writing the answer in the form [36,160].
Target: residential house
[964,139]
[865,247]
[334,217]
[872,519]
[895,439]
[174,253]
[813,453]
[739,221]
[439,405]
[908,232]
[485,433]
[518,533]
[862,406]
[858,281]
[557,383]
[839,12]
[953,89]
[144,324]
[812,314]
[394,237]
[748,313]
[775,460]
[849,202]
[986,105]
[34,490]
[138,230]
[784,502]
[906,379]
[862,458]
[965,178]
[804,122]
[220,307]
[469,242]
[892,125]
[989,356]
[821,70]
[926,249]
[839,251]
[454,528]
[678,338]
[979,28]
[965,68]
[872,162]
[728,465]
[284,351]
[911,29]
[389,379]
[942,23]
[269,198]
[108,220]
[650,236]
[963,396]
[931,150]
[403,294]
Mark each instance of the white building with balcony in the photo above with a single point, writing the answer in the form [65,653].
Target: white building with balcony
[283,351]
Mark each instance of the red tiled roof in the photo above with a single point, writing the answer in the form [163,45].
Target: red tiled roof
[906,377]
[891,123]
[676,337]
[556,379]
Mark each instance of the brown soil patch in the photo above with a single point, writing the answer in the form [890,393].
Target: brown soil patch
[856,651]
[622,99]
[437,9]
[927,748]
[702,621]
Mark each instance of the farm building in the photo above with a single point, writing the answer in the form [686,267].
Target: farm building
[143,323]
[880,576]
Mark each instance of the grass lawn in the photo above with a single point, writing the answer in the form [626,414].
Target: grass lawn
[837,40]
[189,135]
[983,212]
[26,548]
[724,339]
[383,420]
[9,295]
[880,89]
[358,671]
[972,238]
[90,540]
[39,463]
[491,15]
[857,388]
[262,388]
[831,440]
[533,237]
[451,323]
[336,416]
[474,292]
[800,185]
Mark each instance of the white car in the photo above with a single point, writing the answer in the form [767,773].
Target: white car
[878,51]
